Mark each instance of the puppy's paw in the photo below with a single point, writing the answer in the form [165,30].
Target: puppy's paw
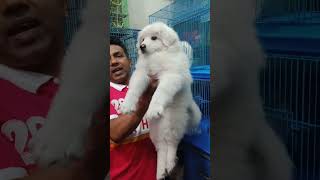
[155,111]
[170,166]
[56,145]
[161,173]
[128,107]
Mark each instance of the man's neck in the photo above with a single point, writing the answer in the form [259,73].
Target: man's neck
[126,83]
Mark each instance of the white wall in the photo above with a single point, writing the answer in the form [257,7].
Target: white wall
[139,11]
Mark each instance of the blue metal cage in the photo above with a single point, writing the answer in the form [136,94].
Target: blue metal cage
[290,92]
[289,11]
[289,31]
[191,20]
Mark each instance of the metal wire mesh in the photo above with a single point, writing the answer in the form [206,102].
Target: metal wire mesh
[201,89]
[289,11]
[290,92]
[129,38]
[191,20]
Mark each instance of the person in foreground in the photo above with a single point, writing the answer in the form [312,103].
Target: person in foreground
[31,53]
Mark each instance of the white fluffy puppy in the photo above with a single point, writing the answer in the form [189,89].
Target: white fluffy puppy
[172,109]
[82,91]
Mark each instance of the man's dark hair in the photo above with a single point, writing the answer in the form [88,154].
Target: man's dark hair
[118,42]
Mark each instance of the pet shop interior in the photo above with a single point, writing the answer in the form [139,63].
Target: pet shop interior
[289,31]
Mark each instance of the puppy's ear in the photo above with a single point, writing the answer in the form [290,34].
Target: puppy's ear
[168,36]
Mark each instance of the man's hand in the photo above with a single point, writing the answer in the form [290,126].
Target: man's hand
[125,124]
[146,97]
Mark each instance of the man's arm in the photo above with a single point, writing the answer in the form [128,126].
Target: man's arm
[125,124]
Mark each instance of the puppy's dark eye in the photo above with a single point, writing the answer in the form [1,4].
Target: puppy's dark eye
[154,38]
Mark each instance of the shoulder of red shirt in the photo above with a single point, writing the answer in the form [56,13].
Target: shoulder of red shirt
[27,80]
[118,87]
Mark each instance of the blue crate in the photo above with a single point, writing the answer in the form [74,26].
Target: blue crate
[290,94]
[191,20]
[289,26]
[196,163]
[201,72]
[302,39]
[201,138]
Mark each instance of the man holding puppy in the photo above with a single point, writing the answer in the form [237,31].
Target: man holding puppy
[132,154]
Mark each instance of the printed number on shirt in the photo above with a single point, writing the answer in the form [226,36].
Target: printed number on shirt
[17,131]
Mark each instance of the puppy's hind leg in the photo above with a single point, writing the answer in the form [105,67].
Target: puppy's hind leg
[178,121]
[162,150]
[171,158]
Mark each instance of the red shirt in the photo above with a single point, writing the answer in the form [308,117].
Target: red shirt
[135,158]
[24,102]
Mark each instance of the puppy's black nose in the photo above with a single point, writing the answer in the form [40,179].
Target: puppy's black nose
[143,47]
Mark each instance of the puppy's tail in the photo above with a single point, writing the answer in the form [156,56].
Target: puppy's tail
[195,115]
[186,47]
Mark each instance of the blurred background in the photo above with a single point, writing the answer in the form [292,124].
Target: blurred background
[290,33]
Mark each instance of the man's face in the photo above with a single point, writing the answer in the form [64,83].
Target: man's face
[119,65]
[31,31]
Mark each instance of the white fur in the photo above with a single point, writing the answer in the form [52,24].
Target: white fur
[188,50]
[244,146]
[172,109]
[82,91]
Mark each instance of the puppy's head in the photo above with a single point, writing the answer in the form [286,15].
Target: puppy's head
[156,37]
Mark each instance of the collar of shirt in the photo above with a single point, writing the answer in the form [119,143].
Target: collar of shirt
[118,87]
[29,81]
